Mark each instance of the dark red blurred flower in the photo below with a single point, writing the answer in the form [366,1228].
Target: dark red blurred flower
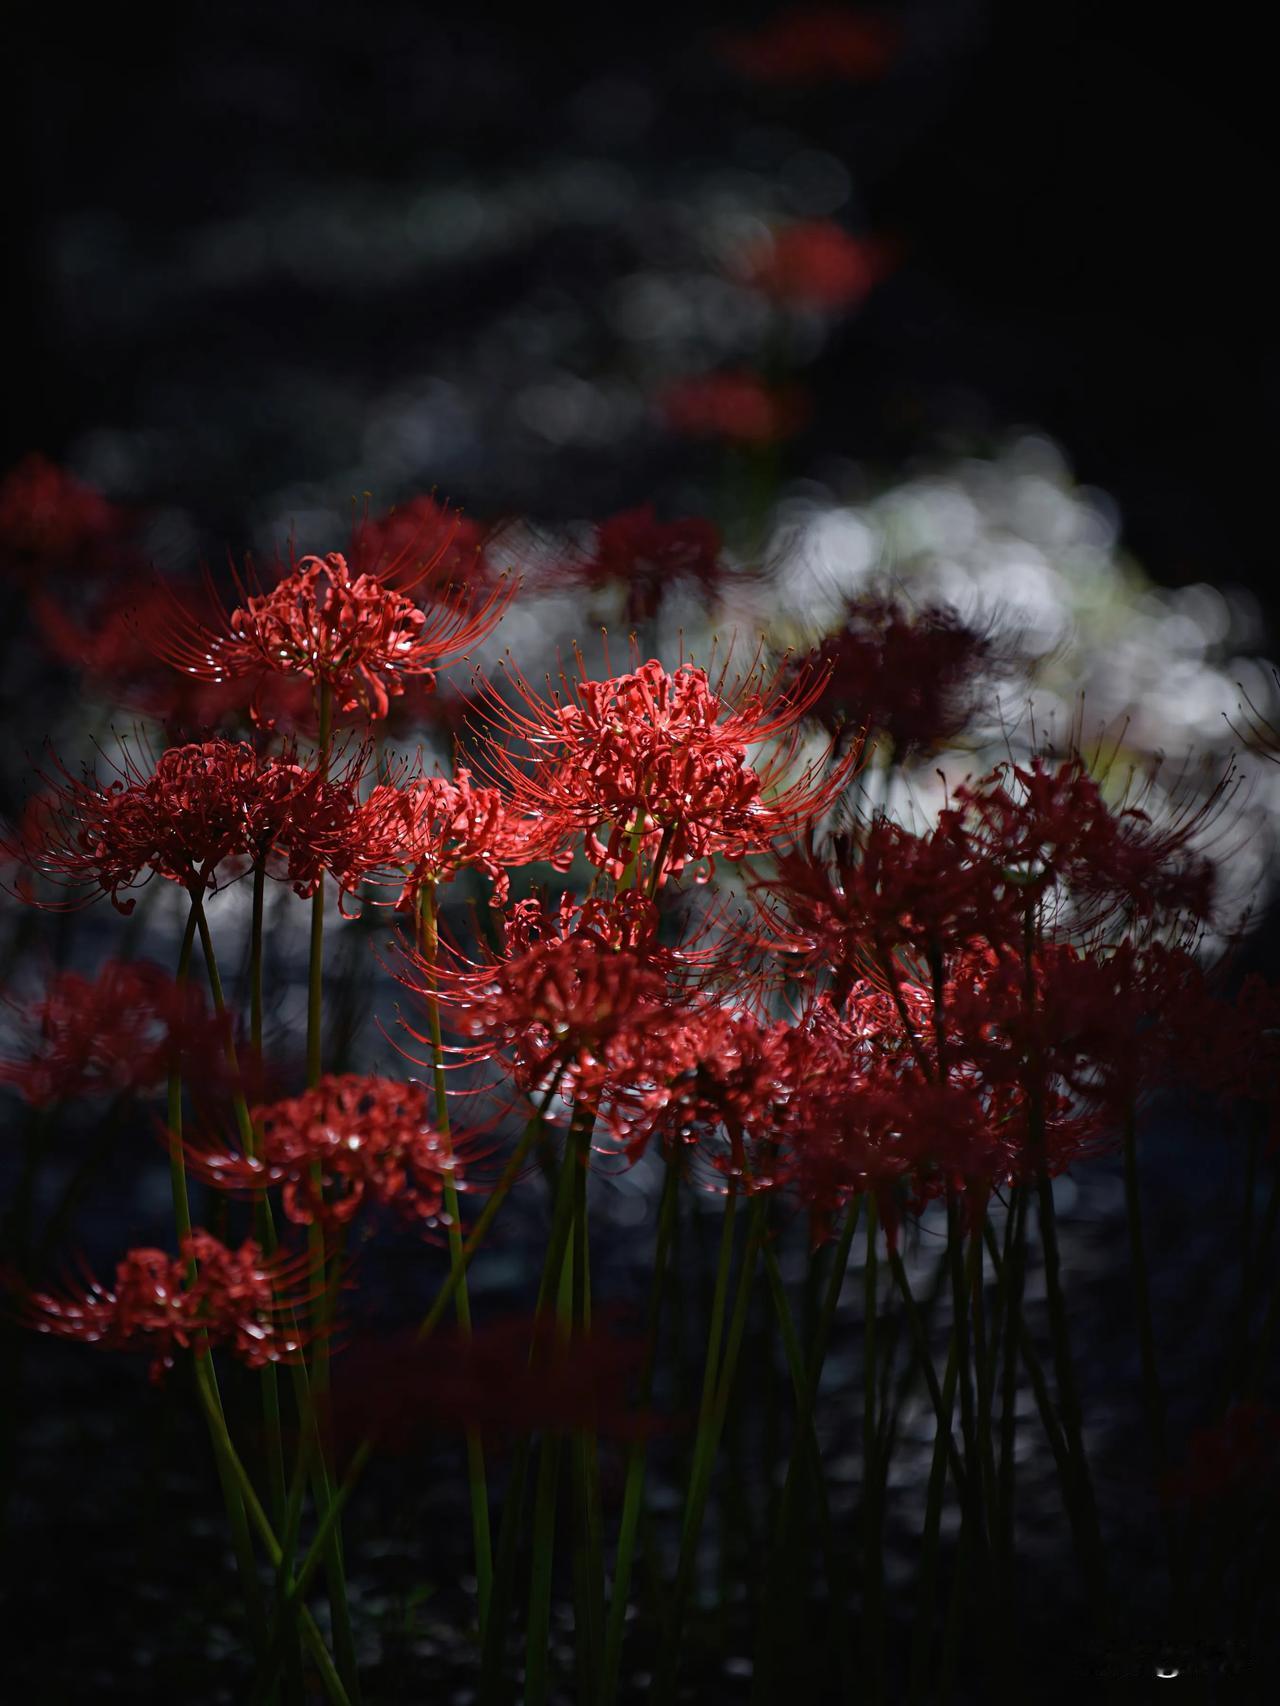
[815,44]
[239,1301]
[815,263]
[120,1031]
[510,1378]
[423,536]
[362,635]
[736,407]
[1051,827]
[1236,1459]
[113,645]
[199,817]
[916,678]
[51,522]
[351,1139]
[655,761]
[647,558]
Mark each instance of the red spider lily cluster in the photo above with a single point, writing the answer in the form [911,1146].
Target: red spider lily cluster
[237,1301]
[868,1019]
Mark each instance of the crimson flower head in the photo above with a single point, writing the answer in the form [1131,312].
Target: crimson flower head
[815,263]
[737,408]
[203,813]
[647,557]
[360,635]
[52,522]
[239,1301]
[815,44]
[915,678]
[573,1001]
[351,1139]
[658,763]
[422,833]
[120,1031]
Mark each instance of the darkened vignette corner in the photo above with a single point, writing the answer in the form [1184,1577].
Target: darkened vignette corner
[638,1024]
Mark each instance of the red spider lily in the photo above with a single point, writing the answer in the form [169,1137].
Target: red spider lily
[50,521]
[846,909]
[423,832]
[574,1012]
[510,1378]
[424,536]
[239,1301]
[1238,1459]
[359,634]
[647,558]
[1229,1049]
[720,1078]
[352,1139]
[738,408]
[914,678]
[121,1031]
[1051,827]
[815,44]
[203,814]
[652,761]
[815,263]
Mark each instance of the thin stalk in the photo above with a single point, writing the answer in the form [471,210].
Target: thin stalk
[633,1489]
[477,1480]
[872,1548]
[1084,1511]
[588,1544]
[1152,1392]
[1011,1274]
[710,1427]
[1039,1385]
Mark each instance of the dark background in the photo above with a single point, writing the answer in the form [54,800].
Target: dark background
[1081,192]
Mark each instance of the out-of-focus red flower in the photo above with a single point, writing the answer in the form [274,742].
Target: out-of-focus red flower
[204,813]
[121,1031]
[815,44]
[738,408]
[50,522]
[423,536]
[844,910]
[1051,828]
[362,635]
[1237,1459]
[915,678]
[372,1139]
[647,558]
[510,1378]
[113,646]
[423,832]
[655,762]
[239,1301]
[815,263]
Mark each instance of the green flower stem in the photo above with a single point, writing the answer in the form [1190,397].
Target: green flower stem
[557,1279]
[1152,1392]
[177,1162]
[588,1540]
[783,1567]
[236,1472]
[477,1480]
[1039,1385]
[633,1490]
[942,1400]
[264,1226]
[872,1506]
[1083,1508]
[1012,1273]
[710,1426]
